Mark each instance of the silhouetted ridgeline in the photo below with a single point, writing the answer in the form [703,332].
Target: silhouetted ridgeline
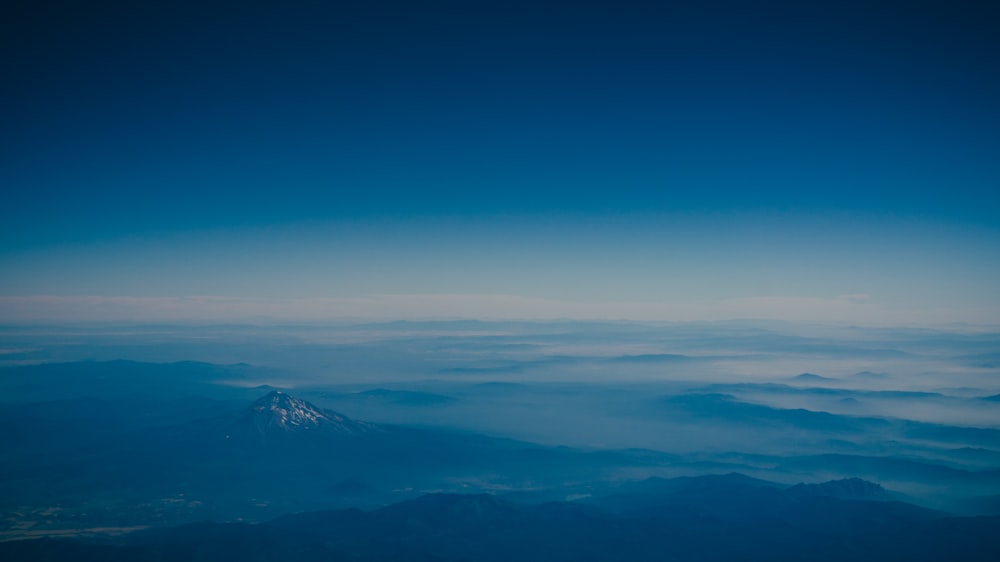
[708,518]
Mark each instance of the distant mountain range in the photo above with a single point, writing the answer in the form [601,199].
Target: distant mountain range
[282,454]
[813,378]
[729,517]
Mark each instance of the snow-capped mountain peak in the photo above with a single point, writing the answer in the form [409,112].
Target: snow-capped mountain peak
[288,411]
[277,411]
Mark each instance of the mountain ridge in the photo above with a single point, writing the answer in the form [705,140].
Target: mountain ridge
[487,528]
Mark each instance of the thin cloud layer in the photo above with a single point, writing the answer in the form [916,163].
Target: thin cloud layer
[847,308]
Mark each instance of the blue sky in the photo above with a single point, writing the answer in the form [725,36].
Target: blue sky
[536,159]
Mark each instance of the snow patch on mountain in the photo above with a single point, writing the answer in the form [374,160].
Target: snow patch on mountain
[279,411]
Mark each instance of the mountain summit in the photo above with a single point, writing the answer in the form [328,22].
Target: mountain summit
[277,413]
[845,489]
[286,411]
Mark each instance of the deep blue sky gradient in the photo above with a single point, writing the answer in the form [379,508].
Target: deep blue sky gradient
[149,121]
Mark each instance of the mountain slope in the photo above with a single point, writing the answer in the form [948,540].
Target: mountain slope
[484,528]
[277,455]
[277,415]
[844,489]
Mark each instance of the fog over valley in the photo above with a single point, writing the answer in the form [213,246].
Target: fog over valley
[693,397]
